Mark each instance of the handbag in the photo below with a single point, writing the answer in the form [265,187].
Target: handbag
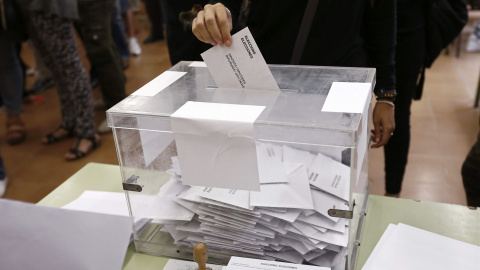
[445,21]
[11,21]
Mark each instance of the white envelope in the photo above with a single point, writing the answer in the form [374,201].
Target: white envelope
[270,166]
[289,216]
[293,155]
[294,194]
[215,144]
[330,176]
[323,201]
[161,206]
[321,221]
[239,198]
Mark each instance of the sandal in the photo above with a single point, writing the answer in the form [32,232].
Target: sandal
[50,138]
[95,140]
[16,132]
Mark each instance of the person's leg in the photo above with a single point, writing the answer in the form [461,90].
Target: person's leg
[118,33]
[471,175]
[409,59]
[127,14]
[154,12]
[55,39]
[95,27]
[11,90]
[43,76]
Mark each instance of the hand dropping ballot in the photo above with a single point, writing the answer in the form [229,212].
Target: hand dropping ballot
[215,141]
[241,65]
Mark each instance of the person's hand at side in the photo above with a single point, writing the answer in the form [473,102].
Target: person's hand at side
[213,25]
[384,124]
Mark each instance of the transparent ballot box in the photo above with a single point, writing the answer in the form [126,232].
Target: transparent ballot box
[312,165]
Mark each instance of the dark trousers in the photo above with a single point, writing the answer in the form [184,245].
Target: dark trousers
[471,174]
[154,12]
[94,27]
[410,52]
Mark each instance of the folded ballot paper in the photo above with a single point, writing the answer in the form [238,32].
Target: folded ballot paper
[406,247]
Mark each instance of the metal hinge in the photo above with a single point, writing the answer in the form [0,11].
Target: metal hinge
[131,184]
[348,214]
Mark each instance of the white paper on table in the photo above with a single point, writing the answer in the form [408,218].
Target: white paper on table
[322,202]
[380,245]
[197,64]
[161,82]
[294,194]
[240,263]
[241,65]
[215,144]
[153,142]
[112,203]
[161,206]
[408,247]
[270,166]
[347,97]
[39,237]
[187,265]
[330,176]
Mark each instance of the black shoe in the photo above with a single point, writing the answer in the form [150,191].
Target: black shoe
[152,39]
[41,85]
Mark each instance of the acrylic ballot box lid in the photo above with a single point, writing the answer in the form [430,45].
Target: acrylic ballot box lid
[297,108]
[293,118]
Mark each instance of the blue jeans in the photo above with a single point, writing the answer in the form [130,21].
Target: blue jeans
[11,77]
[118,31]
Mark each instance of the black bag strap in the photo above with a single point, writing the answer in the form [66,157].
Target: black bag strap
[304,31]
[417,95]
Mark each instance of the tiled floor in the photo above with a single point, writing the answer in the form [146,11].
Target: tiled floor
[444,126]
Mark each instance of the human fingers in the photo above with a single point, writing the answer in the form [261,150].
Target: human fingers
[384,124]
[224,20]
[212,16]
[200,30]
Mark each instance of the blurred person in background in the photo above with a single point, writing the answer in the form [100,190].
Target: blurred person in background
[471,174]
[119,35]
[12,76]
[155,15]
[364,34]
[50,28]
[182,43]
[94,26]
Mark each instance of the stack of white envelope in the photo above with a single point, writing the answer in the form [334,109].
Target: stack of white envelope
[286,220]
